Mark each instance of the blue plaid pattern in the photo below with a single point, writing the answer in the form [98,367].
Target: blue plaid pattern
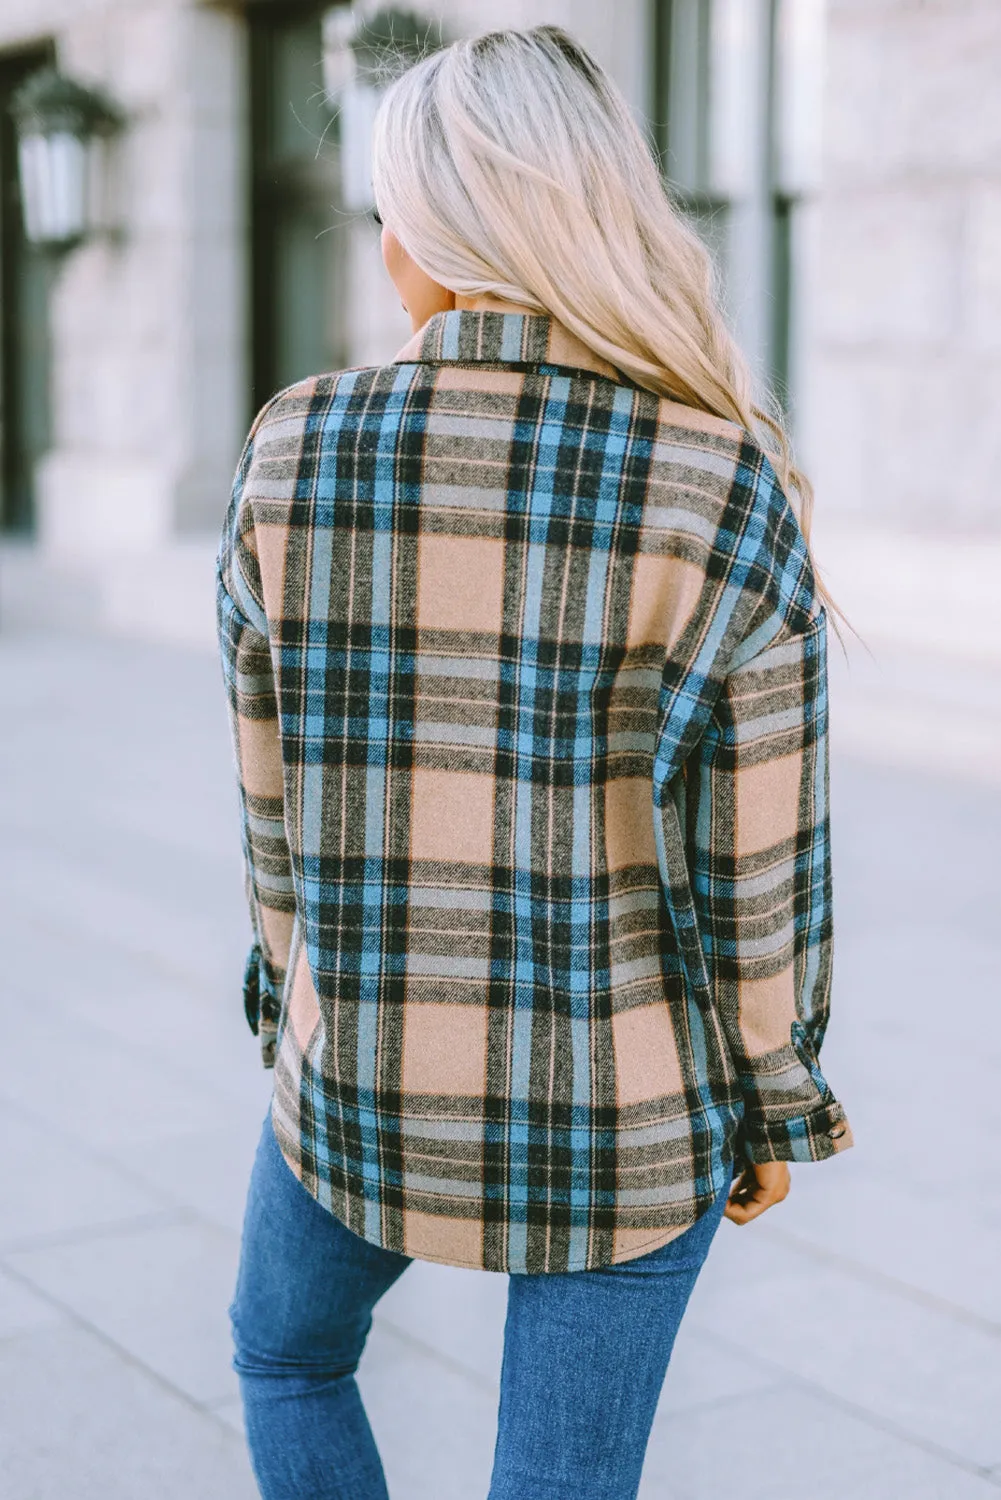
[527,680]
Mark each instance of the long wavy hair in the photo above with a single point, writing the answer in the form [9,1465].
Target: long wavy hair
[511,165]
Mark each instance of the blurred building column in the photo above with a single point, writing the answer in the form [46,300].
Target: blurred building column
[148,323]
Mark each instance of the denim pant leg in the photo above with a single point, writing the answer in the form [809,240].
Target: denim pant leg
[585,1355]
[301,1314]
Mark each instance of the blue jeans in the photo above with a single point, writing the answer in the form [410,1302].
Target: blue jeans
[585,1355]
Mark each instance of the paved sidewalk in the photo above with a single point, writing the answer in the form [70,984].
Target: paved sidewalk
[847,1348]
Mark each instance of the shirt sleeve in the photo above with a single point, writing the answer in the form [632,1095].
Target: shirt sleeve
[759,856]
[254,722]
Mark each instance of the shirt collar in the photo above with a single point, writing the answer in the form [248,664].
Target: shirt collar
[498,338]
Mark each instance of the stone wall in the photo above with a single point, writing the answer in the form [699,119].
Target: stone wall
[150,328]
[898,355]
[903,361]
[148,325]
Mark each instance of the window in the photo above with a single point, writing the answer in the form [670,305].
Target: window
[299,253]
[737,86]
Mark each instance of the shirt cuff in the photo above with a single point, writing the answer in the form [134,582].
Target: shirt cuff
[821,1133]
[261,1002]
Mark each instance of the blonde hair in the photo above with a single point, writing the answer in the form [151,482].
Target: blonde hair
[510,165]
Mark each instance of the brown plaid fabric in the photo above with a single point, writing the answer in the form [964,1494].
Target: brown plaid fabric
[528,688]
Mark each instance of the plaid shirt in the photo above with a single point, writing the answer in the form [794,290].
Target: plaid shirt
[527,677]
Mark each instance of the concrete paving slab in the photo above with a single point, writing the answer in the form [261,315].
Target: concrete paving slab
[435,1429]
[212,1183]
[911,852]
[75,1420]
[110,977]
[900,965]
[205,1036]
[897,966]
[230,1412]
[99,1090]
[168,871]
[785,1445]
[912,1367]
[78,899]
[21,1309]
[459,1313]
[50,1186]
[881,1222]
[160,1294]
[941,1154]
[743,1256]
[881,707]
[168,1008]
[148,731]
[701,1374]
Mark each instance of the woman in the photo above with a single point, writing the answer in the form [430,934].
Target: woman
[526,662]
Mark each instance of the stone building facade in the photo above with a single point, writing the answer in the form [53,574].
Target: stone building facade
[867,279]
[905,355]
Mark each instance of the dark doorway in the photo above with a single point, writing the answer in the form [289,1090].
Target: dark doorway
[25,356]
[299,245]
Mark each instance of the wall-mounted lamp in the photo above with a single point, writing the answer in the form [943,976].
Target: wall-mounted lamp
[363,51]
[60,125]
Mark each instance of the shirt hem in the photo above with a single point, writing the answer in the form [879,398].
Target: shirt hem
[635,1252]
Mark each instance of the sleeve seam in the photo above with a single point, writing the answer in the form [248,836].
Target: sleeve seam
[784,635]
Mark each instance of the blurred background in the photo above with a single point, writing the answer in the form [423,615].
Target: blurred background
[185,227]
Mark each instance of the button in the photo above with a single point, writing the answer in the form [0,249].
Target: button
[837,1132]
